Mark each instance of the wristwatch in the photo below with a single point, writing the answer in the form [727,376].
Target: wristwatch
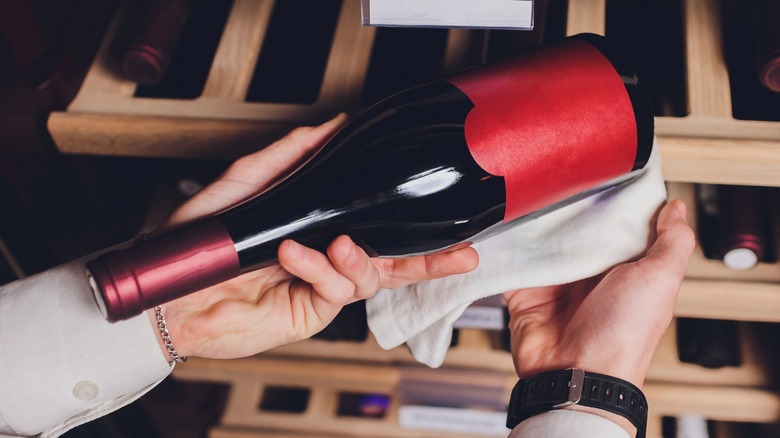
[557,389]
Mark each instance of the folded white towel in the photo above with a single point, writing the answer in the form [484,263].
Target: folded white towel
[575,242]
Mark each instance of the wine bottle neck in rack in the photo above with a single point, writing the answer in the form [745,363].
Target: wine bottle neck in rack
[766,33]
[743,225]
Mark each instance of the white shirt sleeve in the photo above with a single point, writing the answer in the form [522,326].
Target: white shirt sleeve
[566,424]
[61,363]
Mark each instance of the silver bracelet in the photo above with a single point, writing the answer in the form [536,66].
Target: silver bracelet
[166,337]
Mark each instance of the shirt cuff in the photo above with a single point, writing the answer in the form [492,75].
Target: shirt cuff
[566,424]
[61,363]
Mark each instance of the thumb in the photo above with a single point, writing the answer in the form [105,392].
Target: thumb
[675,239]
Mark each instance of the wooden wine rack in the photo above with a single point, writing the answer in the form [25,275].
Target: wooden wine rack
[707,145]
[673,388]
[325,380]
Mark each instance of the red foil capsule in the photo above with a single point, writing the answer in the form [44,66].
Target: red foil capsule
[744,223]
[147,54]
[126,282]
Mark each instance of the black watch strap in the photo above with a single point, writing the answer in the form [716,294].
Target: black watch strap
[557,389]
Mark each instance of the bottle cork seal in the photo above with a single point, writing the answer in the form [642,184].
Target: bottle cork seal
[770,75]
[740,259]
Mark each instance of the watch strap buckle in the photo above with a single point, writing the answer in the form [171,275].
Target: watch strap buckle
[575,385]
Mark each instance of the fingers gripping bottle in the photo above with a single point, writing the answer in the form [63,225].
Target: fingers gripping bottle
[451,161]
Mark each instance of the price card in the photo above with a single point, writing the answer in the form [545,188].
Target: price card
[493,14]
[478,317]
[454,420]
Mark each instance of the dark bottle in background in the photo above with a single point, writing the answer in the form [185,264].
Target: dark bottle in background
[765,16]
[147,52]
[451,161]
[744,225]
[351,325]
[658,56]
[710,343]
[734,224]
[549,26]
[747,48]
[707,233]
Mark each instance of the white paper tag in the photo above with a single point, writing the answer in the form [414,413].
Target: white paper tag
[455,420]
[485,318]
[494,14]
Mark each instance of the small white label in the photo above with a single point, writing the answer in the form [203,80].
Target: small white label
[485,318]
[455,420]
[495,14]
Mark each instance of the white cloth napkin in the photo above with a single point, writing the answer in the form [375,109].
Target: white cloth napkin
[575,242]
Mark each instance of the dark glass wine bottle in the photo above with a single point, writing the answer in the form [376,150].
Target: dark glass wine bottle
[743,213]
[450,161]
[710,343]
[765,16]
[147,54]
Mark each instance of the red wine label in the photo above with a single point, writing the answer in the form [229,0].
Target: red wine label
[553,123]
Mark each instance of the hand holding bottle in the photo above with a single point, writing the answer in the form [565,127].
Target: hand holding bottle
[435,167]
[269,307]
[610,324]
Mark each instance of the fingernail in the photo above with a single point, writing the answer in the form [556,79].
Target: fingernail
[294,249]
[681,208]
[353,254]
[340,119]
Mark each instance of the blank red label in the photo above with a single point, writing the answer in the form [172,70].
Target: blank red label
[554,123]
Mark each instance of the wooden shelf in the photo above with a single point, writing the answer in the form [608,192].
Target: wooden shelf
[707,145]
[237,432]
[476,349]
[672,388]
[325,380]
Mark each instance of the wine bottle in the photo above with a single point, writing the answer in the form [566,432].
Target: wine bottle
[765,16]
[454,160]
[147,53]
[707,229]
[743,220]
[710,343]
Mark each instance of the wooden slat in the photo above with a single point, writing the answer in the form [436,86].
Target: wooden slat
[474,350]
[168,137]
[737,300]
[586,16]
[654,427]
[347,65]
[233,432]
[325,380]
[708,83]
[719,161]
[238,50]
[378,376]
[9,258]
[717,403]
[718,128]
